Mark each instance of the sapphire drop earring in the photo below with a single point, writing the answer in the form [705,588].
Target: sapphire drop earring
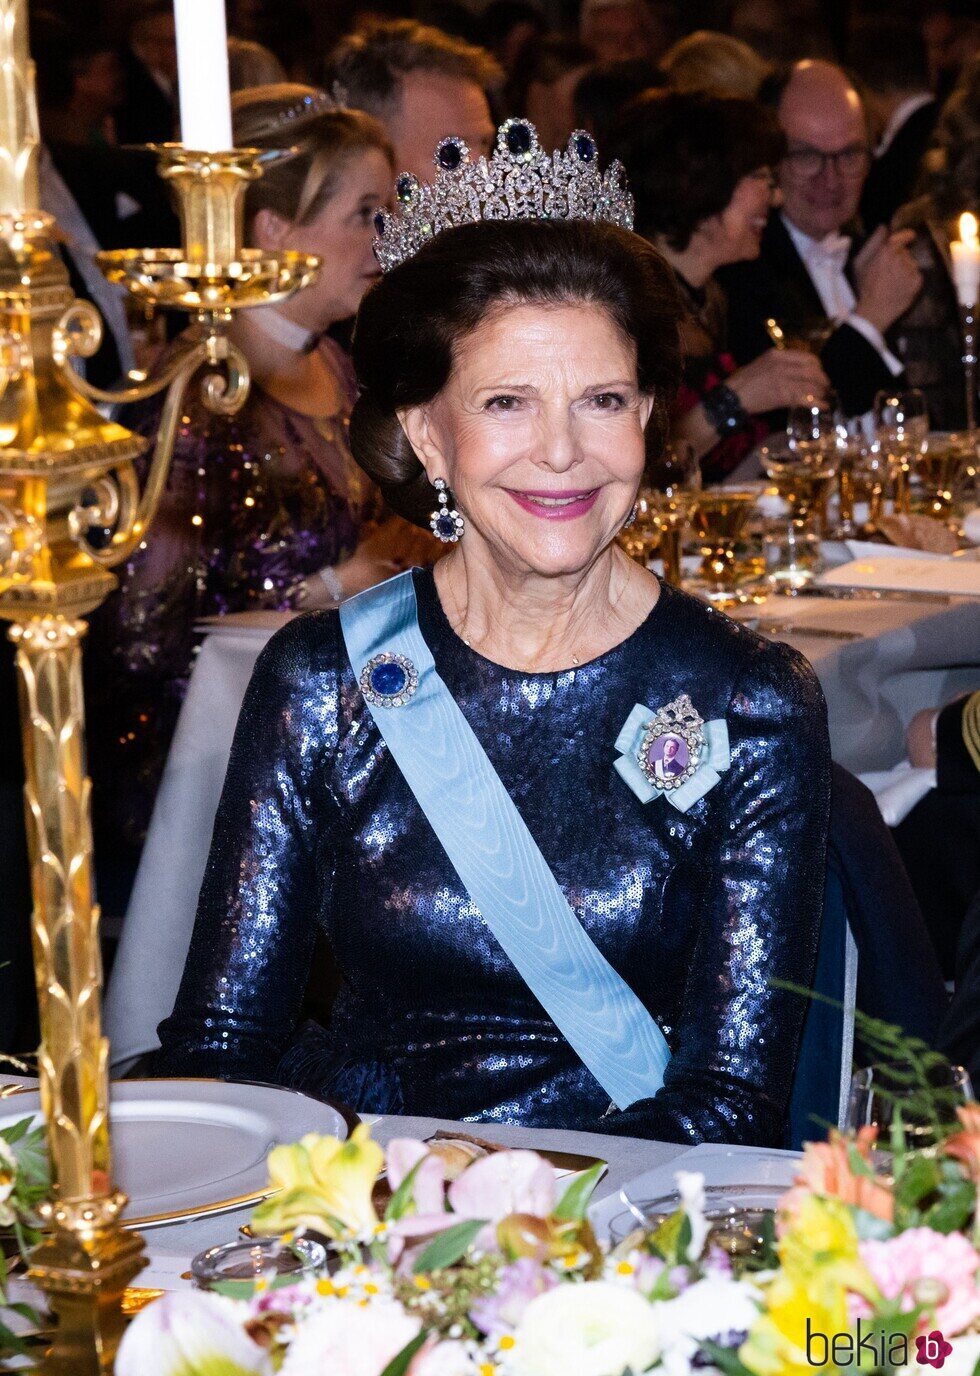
[445,522]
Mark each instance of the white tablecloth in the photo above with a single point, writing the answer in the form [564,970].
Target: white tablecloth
[910,654]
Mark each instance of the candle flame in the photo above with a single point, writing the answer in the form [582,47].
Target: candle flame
[968,228]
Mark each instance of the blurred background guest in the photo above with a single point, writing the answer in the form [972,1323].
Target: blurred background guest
[951,30]
[602,93]
[717,62]
[148,111]
[252,64]
[700,168]
[263,510]
[813,277]
[927,337]
[103,196]
[939,840]
[888,56]
[507,27]
[618,30]
[543,85]
[421,84]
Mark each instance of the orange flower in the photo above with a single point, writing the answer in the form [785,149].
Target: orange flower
[965,1145]
[826,1170]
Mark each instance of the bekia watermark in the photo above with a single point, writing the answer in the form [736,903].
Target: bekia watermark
[869,1348]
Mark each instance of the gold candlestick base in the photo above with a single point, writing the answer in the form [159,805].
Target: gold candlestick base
[84,1268]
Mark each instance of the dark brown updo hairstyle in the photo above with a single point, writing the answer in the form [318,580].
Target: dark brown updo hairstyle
[686,152]
[411,321]
[288,115]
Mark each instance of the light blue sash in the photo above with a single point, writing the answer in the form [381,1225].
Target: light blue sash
[495,856]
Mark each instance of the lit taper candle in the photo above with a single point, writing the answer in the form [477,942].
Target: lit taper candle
[202,72]
[966,261]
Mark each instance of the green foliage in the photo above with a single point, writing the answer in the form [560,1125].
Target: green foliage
[448,1247]
[400,1363]
[20,1230]
[575,1201]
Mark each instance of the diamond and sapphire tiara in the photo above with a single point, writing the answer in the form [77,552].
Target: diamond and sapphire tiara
[519,181]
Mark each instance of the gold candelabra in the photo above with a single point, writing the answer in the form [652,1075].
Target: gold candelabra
[65,469]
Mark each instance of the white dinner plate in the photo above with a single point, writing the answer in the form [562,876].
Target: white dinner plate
[765,1172]
[187,1148]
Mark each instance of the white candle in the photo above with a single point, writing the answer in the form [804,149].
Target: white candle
[966,261]
[202,73]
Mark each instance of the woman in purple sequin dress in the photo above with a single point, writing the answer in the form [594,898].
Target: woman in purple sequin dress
[265,510]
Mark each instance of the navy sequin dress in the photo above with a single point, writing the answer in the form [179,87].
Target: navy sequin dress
[317,830]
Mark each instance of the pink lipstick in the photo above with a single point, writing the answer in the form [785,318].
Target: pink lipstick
[556,506]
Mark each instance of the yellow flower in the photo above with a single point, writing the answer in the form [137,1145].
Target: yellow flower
[323,1184]
[806,1302]
[788,1336]
[820,1246]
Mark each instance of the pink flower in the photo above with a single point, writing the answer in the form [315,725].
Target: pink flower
[404,1153]
[517,1286]
[917,1264]
[506,1182]
[346,1338]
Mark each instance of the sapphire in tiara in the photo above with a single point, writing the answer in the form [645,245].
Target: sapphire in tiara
[405,187]
[388,680]
[519,139]
[450,154]
[379,223]
[585,147]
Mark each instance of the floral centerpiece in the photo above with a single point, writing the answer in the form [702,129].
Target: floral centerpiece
[497,1272]
[24,1183]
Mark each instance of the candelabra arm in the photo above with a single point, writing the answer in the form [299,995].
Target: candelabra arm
[224,388]
[78,334]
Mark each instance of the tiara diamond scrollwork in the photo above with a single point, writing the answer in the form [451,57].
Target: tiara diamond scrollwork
[519,181]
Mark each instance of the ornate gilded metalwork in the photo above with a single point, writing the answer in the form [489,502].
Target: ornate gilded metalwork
[64,469]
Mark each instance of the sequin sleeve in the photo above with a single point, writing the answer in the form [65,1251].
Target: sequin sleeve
[249,960]
[761,895]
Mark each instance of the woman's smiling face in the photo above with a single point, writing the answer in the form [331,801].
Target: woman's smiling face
[539,433]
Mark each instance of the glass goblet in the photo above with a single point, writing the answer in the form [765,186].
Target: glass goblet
[719,516]
[938,469]
[901,424]
[641,537]
[674,481]
[803,480]
[878,1099]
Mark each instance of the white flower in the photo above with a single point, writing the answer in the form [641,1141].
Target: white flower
[593,1329]
[350,1340]
[444,1359]
[711,1308]
[189,1334]
[690,1186]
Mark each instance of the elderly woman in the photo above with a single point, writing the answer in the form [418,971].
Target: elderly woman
[455,778]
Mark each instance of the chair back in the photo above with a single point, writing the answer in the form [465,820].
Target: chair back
[824,1065]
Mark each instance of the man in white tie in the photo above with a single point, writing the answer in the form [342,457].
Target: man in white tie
[811,277]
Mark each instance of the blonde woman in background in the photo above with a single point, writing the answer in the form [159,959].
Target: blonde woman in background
[265,510]
[716,63]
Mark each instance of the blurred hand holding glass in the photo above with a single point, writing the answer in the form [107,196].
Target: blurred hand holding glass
[901,424]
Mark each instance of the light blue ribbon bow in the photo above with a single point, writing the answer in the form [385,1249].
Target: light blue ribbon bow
[715,759]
